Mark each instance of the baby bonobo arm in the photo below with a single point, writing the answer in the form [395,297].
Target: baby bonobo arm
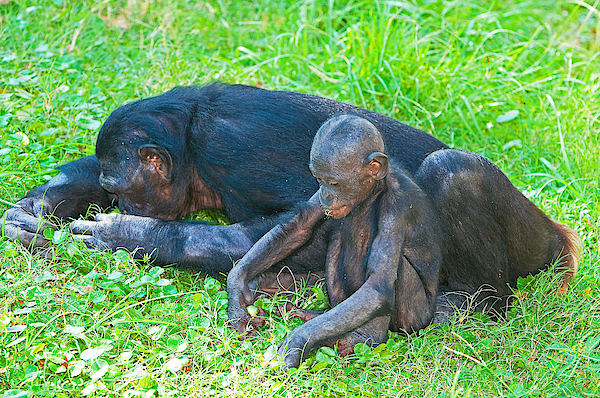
[274,246]
[373,299]
[402,272]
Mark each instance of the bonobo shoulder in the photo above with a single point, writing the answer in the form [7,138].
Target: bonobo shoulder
[403,200]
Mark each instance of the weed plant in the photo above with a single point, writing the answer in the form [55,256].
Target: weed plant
[517,81]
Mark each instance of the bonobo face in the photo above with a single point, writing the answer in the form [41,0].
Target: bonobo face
[138,178]
[347,159]
[344,183]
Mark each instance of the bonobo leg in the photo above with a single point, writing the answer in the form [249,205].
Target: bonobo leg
[300,313]
[67,195]
[491,233]
[363,306]
[415,293]
[399,294]
[284,280]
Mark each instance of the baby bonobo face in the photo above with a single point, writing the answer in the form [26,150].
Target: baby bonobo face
[347,159]
[344,183]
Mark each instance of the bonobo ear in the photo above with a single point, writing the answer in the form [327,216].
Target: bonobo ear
[158,157]
[378,165]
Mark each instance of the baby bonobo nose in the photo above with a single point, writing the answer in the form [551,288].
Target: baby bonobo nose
[325,196]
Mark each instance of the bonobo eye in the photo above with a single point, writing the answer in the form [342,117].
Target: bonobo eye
[333,182]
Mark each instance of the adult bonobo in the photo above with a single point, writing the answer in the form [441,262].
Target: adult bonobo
[238,148]
[394,240]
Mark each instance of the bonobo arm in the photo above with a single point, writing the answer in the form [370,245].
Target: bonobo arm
[402,274]
[273,247]
[68,194]
[199,247]
[373,299]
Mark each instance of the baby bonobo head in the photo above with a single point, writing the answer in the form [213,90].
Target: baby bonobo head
[347,158]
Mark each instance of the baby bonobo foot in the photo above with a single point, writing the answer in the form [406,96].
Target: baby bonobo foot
[299,313]
[240,325]
[343,346]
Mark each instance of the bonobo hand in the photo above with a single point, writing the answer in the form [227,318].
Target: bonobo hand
[112,231]
[294,349]
[240,297]
[240,323]
[25,222]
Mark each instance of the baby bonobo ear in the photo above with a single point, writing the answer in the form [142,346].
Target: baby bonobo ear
[378,165]
[158,157]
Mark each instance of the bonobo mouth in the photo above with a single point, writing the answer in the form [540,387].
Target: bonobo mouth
[336,213]
[114,198]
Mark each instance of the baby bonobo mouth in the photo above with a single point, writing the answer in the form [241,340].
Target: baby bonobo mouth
[337,213]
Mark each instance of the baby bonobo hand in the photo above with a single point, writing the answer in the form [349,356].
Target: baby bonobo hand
[240,298]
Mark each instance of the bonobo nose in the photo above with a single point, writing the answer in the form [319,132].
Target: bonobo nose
[325,196]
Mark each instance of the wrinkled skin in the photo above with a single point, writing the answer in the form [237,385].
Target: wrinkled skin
[236,148]
[245,150]
[69,193]
[26,220]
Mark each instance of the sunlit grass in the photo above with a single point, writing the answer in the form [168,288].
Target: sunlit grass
[459,70]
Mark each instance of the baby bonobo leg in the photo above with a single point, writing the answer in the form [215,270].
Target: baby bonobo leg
[415,291]
[284,280]
[300,313]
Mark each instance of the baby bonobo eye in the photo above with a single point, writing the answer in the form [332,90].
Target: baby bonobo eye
[333,182]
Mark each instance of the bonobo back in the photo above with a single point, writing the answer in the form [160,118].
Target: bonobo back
[250,146]
[492,234]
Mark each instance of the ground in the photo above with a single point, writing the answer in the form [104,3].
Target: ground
[517,81]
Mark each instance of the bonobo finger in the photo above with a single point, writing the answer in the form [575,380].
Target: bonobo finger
[82,227]
[92,242]
[24,220]
[258,321]
[289,355]
[28,239]
[34,207]
[239,325]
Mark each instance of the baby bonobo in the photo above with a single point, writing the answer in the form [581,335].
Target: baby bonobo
[383,257]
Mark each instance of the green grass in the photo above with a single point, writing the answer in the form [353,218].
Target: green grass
[450,68]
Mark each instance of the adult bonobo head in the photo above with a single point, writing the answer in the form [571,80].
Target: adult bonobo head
[145,156]
[347,158]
